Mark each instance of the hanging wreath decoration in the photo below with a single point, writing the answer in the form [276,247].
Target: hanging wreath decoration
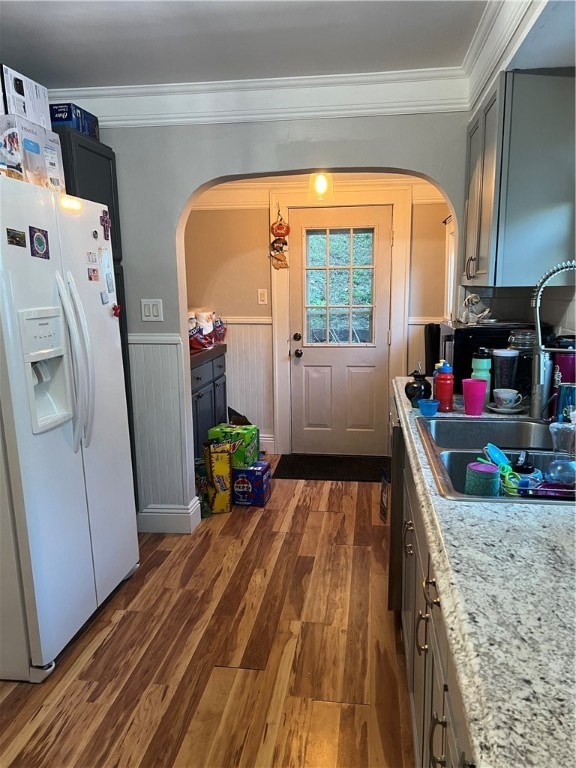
[279,245]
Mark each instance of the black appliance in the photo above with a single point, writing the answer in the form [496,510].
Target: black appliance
[458,342]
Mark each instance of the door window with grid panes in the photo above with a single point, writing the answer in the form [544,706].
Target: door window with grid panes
[339,286]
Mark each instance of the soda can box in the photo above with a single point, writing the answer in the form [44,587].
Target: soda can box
[219,473]
[23,97]
[252,487]
[73,116]
[244,443]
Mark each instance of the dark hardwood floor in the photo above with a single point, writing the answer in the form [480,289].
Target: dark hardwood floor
[261,640]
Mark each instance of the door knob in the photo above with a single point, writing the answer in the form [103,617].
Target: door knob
[297,336]
[298,353]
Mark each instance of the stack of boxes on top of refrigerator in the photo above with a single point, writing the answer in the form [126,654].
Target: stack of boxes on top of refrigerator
[29,150]
[235,473]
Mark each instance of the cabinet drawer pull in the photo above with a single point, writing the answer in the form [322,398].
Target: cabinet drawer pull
[408,526]
[421,617]
[430,601]
[434,722]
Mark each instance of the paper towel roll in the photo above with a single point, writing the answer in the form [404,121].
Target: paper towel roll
[204,318]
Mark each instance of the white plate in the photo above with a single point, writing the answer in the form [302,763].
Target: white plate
[515,409]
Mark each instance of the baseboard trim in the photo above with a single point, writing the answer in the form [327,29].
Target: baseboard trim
[267,443]
[169,519]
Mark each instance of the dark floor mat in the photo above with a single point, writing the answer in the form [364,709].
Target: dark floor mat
[363,469]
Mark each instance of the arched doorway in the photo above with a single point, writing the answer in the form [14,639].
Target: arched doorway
[258,338]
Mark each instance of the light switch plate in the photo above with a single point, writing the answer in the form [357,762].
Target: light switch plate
[262,296]
[151,310]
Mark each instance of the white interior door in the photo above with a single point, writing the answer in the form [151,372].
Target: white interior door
[340,264]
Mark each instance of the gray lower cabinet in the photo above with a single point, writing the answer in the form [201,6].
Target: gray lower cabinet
[209,402]
[439,727]
[520,180]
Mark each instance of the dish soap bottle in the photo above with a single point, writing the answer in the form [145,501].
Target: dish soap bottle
[445,388]
[419,388]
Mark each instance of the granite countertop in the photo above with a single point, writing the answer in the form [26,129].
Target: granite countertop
[506,579]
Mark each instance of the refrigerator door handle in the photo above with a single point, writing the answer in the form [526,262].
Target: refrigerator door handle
[88,359]
[77,363]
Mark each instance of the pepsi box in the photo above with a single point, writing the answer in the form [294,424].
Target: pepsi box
[252,487]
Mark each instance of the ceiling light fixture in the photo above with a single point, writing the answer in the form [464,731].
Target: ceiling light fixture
[320,187]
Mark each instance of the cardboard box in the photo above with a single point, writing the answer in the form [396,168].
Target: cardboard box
[244,442]
[23,97]
[219,473]
[252,487]
[29,152]
[68,114]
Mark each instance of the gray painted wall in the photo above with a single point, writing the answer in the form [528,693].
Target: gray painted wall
[160,169]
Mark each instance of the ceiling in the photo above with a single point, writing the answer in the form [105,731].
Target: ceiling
[84,47]
[78,44]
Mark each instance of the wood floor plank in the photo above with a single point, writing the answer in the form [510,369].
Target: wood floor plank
[306,660]
[203,727]
[312,533]
[387,717]
[242,627]
[363,516]
[356,679]
[292,737]
[298,587]
[265,625]
[353,737]
[323,735]
[330,673]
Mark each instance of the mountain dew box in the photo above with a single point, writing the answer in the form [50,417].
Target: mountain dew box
[251,487]
[244,443]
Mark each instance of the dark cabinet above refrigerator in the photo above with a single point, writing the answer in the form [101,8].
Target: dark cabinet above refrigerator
[90,173]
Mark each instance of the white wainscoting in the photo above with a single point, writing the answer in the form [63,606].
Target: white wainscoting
[162,453]
[249,373]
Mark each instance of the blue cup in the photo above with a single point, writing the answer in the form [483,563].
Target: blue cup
[428,407]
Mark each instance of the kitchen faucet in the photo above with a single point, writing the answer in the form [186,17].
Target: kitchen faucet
[541,352]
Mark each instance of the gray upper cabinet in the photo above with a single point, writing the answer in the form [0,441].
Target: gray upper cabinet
[520,180]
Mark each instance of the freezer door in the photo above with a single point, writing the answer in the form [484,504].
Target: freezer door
[89,273]
[48,512]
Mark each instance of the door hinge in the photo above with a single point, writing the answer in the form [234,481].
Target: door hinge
[392,238]
[389,338]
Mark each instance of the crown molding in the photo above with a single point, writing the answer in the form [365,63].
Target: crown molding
[384,93]
[502,28]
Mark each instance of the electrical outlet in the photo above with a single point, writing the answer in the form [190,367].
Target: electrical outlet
[151,310]
[262,296]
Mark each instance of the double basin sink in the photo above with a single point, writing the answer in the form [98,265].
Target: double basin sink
[452,443]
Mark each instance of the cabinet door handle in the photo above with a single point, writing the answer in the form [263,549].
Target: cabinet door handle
[430,601]
[200,395]
[408,526]
[421,617]
[434,722]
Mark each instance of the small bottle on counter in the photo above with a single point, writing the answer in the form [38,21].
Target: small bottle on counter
[445,388]
[481,366]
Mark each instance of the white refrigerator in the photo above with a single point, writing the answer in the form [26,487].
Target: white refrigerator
[67,509]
